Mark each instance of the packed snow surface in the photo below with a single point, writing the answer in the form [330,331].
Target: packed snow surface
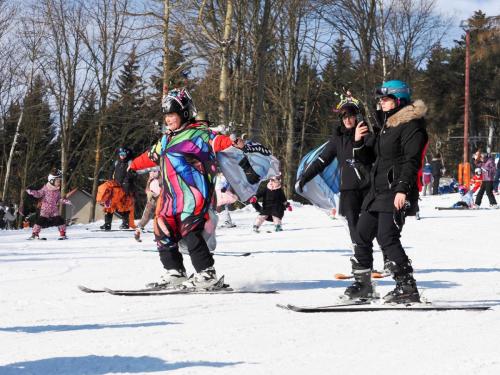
[48,326]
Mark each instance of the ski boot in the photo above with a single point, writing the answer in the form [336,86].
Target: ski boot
[202,280]
[62,236]
[171,279]
[255,228]
[108,218]
[228,224]
[277,228]
[34,237]
[406,287]
[124,224]
[362,288]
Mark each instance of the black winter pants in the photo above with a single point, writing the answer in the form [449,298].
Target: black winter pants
[201,258]
[435,185]
[352,218]
[486,186]
[378,225]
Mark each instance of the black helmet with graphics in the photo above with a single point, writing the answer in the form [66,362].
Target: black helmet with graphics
[179,101]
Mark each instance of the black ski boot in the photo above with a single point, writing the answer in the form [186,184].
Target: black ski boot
[406,287]
[362,287]
[124,224]
[108,218]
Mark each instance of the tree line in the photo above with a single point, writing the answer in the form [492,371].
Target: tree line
[80,78]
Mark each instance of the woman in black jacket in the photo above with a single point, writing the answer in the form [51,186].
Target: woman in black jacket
[354,176]
[393,192]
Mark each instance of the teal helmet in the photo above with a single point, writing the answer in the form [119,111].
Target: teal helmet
[397,89]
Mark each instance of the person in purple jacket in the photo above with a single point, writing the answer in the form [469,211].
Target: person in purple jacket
[50,198]
[487,165]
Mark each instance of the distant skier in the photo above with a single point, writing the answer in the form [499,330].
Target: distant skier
[427,179]
[225,197]
[466,198]
[437,171]
[50,198]
[488,169]
[117,194]
[273,206]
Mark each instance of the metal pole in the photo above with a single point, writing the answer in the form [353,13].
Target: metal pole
[466,104]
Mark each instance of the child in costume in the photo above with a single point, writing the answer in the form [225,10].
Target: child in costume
[186,156]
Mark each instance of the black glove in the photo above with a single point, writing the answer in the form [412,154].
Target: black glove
[223,190]
[252,176]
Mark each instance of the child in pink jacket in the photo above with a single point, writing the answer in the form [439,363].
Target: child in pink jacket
[50,198]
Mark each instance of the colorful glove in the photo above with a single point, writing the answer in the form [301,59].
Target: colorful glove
[253,200]
[289,206]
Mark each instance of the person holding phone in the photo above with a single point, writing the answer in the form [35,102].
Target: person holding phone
[354,176]
[397,154]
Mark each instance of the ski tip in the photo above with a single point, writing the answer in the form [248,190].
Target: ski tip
[284,307]
[341,276]
[89,290]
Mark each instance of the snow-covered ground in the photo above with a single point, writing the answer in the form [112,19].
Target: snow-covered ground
[48,326]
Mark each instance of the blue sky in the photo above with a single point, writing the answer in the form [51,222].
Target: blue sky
[461,10]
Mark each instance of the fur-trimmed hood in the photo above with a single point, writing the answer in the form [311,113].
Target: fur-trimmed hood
[413,111]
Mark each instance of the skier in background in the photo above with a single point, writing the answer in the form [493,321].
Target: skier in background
[124,181]
[50,198]
[225,197]
[437,171]
[427,179]
[273,206]
[488,169]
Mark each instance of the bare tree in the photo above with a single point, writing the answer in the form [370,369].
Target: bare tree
[356,20]
[63,68]
[414,28]
[8,84]
[105,38]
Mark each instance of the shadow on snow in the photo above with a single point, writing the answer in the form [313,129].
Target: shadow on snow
[97,365]
[78,327]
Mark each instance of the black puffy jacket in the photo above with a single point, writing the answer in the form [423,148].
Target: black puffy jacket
[398,150]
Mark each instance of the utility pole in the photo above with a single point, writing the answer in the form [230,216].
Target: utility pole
[464,168]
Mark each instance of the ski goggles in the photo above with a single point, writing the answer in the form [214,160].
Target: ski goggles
[386,91]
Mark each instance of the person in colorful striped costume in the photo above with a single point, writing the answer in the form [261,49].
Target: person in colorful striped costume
[186,155]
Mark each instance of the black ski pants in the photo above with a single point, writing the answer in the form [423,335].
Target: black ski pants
[378,225]
[201,258]
[486,187]
[435,185]
[352,218]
